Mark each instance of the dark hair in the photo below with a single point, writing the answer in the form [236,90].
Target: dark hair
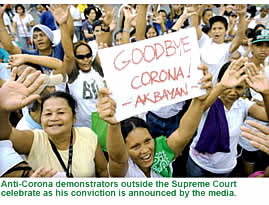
[221,19]
[131,123]
[97,11]
[58,94]
[223,69]
[163,11]
[80,43]
[257,27]
[206,28]
[206,10]
[116,33]
[149,27]
[19,5]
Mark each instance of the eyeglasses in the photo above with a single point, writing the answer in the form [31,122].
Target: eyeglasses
[88,55]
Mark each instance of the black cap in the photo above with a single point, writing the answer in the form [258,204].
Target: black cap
[260,36]
[221,19]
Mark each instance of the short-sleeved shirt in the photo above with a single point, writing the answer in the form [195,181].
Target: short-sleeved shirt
[86,25]
[221,162]
[22,29]
[214,55]
[84,148]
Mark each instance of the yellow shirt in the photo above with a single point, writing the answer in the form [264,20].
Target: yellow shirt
[83,164]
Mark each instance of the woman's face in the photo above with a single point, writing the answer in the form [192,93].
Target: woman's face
[207,16]
[83,58]
[151,33]
[19,10]
[218,32]
[92,15]
[140,147]
[57,117]
[230,95]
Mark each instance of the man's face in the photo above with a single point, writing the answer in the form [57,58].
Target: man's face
[263,12]
[41,40]
[260,50]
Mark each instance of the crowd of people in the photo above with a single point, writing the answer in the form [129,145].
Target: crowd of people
[53,92]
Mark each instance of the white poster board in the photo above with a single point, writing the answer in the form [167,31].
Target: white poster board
[153,73]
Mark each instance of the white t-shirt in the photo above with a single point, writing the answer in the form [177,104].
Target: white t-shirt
[221,162]
[259,20]
[75,13]
[85,90]
[22,29]
[213,55]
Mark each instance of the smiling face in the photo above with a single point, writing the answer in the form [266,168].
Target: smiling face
[41,40]
[57,117]
[218,32]
[151,33]
[92,15]
[230,95]
[83,58]
[140,145]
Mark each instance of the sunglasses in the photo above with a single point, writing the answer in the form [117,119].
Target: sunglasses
[88,55]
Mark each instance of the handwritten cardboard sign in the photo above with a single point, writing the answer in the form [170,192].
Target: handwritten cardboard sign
[153,73]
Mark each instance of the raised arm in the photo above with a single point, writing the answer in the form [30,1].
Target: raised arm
[5,38]
[117,152]
[260,83]
[15,95]
[195,21]
[188,11]
[231,78]
[241,10]
[141,21]
[63,17]
[191,119]
[129,18]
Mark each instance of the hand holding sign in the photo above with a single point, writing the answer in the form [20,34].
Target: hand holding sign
[153,73]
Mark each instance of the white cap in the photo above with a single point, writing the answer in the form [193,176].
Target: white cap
[8,156]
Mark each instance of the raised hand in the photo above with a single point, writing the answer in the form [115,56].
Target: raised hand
[258,139]
[233,75]
[44,172]
[60,12]
[205,82]
[2,10]
[241,9]
[257,80]
[17,94]
[106,106]
[129,15]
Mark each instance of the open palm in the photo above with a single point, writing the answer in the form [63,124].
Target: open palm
[17,94]
[257,80]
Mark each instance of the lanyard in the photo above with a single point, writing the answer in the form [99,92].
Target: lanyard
[70,155]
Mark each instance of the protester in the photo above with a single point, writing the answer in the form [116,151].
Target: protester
[78,146]
[131,148]
[213,152]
